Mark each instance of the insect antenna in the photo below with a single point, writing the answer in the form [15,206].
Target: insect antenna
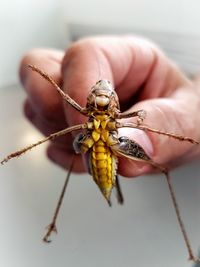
[65,96]
[98,67]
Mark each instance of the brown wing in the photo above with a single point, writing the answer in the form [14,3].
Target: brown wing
[130,149]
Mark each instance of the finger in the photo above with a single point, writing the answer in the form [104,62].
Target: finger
[81,70]
[149,73]
[128,168]
[169,115]
[43,97]
[62,157]
[47,128]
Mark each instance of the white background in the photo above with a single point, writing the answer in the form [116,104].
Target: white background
[25,24]
[179,16]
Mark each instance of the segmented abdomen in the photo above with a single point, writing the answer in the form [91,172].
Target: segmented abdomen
[103,166]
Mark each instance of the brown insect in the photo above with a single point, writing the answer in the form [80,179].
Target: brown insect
[100,142]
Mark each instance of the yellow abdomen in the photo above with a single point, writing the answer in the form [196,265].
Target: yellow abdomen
[103,167]
[102,162]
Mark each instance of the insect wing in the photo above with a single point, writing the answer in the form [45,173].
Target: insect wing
[130,149]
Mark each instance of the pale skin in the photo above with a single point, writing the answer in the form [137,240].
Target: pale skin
[144,78]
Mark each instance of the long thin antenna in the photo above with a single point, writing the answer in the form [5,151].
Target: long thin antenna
[98,67]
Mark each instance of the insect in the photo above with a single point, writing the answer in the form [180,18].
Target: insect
[100,142]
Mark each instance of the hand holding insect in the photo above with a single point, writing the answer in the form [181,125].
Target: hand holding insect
[103,109]
[143,78]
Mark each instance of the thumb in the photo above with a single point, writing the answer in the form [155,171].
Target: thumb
[172,115]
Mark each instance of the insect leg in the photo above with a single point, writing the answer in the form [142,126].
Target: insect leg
[50,137]
[180,221]
[65,96]
[141,114]
[147,128]
[120,197]
[177,210]
[129,149]
[52,226]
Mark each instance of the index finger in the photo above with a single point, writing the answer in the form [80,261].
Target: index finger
[136,67]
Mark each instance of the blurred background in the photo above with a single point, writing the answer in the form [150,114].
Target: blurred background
[142,233]
[32,23]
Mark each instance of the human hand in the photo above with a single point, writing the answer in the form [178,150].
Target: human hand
[144,78]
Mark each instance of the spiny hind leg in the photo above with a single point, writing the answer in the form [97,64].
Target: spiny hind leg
[177,210]
[52,226]
[131,150]
[180,221]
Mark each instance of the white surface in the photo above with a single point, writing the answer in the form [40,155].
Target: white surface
[179,16]
[26,24]
[181,48]
[144,232]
